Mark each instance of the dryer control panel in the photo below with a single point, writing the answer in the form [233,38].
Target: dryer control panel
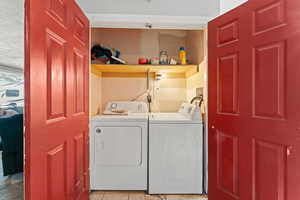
[125,107]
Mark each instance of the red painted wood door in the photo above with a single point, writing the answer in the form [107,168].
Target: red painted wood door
[56,88]
[254,102]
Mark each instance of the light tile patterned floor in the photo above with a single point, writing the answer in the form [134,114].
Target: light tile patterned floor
[126,195]
[9,190]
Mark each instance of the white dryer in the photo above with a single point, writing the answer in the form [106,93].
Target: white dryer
[118,147]
[176,152]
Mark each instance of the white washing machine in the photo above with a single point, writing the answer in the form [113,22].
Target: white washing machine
[118,147]
[176,152]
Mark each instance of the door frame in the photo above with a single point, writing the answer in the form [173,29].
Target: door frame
[27,139]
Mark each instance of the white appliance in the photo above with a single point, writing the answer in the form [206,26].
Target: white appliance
[118,147]
[176,152]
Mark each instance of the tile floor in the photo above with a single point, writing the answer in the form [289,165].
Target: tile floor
[120,195]
[10,188]
[13,190]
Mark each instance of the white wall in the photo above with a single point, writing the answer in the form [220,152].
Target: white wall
[12,33]
[226,5]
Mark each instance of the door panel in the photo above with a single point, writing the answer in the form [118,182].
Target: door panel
[56,167]
[227,95]
[56,85]
[268,184]
[269,104]
[227,164]
[56,76]
[254,115]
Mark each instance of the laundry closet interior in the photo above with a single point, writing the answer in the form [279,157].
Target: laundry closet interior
[148,121]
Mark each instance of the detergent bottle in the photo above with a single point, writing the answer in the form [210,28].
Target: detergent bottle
[182,56]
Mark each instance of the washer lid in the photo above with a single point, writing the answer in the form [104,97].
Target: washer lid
[171,118]
[136,117]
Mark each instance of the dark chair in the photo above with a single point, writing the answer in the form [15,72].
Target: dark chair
[11,133]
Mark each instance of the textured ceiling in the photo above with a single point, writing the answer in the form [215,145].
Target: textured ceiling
[152,7]
[12,33]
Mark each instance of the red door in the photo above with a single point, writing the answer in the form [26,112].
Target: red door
[56,88]
[254,102]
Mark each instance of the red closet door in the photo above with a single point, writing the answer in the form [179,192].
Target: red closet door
[254,102]
[56,88]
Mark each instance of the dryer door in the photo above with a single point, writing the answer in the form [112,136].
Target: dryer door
[119,157]
[118,146]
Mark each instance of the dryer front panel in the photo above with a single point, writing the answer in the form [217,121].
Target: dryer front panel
[119,155]
[118,146]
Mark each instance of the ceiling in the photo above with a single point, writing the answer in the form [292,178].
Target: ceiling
[11,33]
[152,7]
[176,14]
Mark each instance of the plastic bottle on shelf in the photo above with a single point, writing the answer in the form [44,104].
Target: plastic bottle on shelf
[182,56]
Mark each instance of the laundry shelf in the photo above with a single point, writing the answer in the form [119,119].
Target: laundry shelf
[186,70]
